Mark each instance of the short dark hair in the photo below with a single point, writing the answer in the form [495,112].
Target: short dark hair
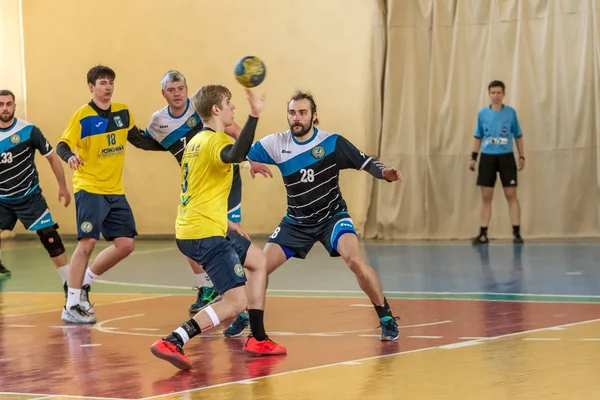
[497,84]
[208,96]
[305,96]
[100,72]
[6,92]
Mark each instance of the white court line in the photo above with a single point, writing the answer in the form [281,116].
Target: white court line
[96,305]
[357,293]
[101,328]
[45,396]
[448,346]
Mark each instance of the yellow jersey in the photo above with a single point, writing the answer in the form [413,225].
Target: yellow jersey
[206,182]
[99,138]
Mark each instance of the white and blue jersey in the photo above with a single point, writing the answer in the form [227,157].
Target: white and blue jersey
[173,134]
[311,171]
[496,129]
[18,174]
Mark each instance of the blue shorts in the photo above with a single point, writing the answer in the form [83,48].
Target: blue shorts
[31,210]
[297,239]
[109,214]
[219,258]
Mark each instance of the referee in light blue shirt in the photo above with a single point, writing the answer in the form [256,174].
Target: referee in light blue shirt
[497,125]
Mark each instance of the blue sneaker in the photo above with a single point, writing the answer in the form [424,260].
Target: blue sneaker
[389,328]
[206,294]
[237,327]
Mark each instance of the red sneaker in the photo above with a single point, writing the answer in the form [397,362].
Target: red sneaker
[263,348]
[171,353]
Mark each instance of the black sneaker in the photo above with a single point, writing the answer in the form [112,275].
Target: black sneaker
[480,239]
[518,239]
[4,272]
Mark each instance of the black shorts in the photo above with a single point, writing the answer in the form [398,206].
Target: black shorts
[297,239]
[492,164]
[31,210]
[234,201]
[220,259]
[109,214]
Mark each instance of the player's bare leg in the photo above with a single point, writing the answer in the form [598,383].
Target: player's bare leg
[206,291]
[73,312]
[514,211]
[487,195]
[349,248]
[105,260]
[273,257]
[4,272]
[234,302]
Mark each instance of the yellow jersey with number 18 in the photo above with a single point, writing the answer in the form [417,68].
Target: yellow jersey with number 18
[99,138]
[205,186]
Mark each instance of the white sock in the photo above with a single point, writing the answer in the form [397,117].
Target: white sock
[73,296]
[89,277]
[63,272]
[184,336]
[203,280]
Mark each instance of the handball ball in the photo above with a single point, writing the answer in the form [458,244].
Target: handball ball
[250,71]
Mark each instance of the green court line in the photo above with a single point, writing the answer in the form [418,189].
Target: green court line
[126,288]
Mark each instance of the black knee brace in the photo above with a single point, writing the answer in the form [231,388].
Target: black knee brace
[51,240]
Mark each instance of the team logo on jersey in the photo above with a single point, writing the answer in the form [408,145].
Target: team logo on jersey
[15,139]
[86,227]
[191,122]
[318,152]
[118,121]
[239,271]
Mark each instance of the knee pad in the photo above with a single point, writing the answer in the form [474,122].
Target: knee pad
[51,240]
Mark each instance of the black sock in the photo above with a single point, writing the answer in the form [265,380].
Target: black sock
[257,324]
[190,327]
[483,231]
[383,311]
[516,230]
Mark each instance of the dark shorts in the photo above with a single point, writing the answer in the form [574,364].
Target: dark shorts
[109,214]
[297,239]
[31,210]
[490,165]
[234,201]
[220,259]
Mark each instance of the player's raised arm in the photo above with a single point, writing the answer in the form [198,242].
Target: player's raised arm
[237,152]
[349,157]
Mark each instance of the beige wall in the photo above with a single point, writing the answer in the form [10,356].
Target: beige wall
[11,65]
[321,46]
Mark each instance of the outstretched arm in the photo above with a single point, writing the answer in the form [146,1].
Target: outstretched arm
[137,138]
[348,156]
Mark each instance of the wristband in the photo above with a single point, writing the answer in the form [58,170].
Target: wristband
[474,156]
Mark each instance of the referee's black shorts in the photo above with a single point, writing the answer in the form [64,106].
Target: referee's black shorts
[490,165]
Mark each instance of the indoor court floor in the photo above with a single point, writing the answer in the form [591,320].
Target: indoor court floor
[500,321]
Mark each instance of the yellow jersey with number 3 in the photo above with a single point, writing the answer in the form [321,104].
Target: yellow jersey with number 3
[205,186]
[99,138]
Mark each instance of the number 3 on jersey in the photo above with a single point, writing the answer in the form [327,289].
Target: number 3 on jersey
[184,185]
[308,175]
[6,158]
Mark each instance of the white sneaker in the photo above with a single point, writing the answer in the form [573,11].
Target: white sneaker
[77,315]
[84,299]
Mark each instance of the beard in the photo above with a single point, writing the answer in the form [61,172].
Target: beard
[5,117]
[305,128]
